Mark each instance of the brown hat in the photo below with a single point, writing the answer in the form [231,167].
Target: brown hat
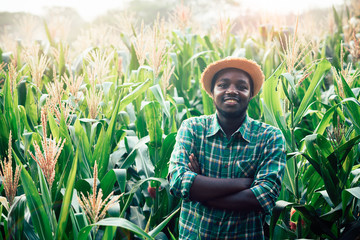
[249,66]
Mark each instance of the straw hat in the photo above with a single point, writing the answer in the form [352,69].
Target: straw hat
[249,66]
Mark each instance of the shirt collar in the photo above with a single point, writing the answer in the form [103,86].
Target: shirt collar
[244,129]
[214,126]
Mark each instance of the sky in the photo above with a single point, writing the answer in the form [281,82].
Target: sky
[90,9]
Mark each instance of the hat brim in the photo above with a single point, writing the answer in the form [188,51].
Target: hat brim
[246,65]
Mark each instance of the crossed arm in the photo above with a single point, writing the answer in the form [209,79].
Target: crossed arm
[223,193]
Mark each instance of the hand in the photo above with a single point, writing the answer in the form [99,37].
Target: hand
[194,164]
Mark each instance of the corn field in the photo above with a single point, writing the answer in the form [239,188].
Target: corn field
[87,128]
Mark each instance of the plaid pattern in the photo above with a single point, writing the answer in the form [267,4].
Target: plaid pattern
[255,150]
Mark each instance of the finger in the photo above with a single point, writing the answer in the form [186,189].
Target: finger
[192,161]
[195,162]
[191,167]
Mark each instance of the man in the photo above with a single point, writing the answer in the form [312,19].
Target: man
[227,167]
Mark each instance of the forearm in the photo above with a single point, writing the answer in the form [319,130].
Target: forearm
[244,201]
[206,189]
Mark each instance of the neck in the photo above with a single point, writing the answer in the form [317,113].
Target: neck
[230,125]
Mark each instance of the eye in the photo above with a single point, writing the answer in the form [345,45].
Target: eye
[221,85]
[243,87]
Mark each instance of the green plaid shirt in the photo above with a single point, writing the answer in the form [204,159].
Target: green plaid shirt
[255,150]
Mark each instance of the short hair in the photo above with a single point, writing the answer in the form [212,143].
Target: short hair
[222,70]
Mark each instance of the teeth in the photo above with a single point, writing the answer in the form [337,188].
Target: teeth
[231,101]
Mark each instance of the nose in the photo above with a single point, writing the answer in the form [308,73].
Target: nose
[232,89]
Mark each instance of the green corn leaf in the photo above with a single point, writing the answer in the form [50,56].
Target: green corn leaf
[319,149]
[276,214]
[313,156]
[15,221]
[333,214]
[201,62]
[351,103]
[48,34]
[143,73]
[134,63]
[95,132]
[22,92]
[145,167]
[132,143]
[54,128]
[10,110]
[352,110]
[83,185]
[134,94]
[67,152]
[31,106]
[66,203]
[163,224]
[125,207]
[153,118]
[161,167]
[23,117]
[209,43]
[196,56]
[36,206]
[156,90]
[271,95]
[286,89]
[102,148]
[108,181]
[344,162]
[354,191]
[319,74]
[338,20]
[46,197]
[325,121]
[325,146]
[83,141]
[74,220]
[109,232]
[207,103]
[137,217]
[116,222]
[331,182]
[313,181]
[290,175]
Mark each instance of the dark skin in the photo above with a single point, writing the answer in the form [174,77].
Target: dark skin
[231,95]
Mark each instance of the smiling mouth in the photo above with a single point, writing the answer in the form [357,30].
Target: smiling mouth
[231,100]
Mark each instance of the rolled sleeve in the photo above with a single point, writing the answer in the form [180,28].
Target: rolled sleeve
[180,176]
[180,187]
[267,183]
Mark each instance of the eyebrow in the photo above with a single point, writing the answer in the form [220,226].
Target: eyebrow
[227,79]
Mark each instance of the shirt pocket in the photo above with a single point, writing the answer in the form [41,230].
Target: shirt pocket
[245,168]
[245,164]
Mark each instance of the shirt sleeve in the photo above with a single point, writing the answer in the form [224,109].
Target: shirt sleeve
[180,176]
[267,181]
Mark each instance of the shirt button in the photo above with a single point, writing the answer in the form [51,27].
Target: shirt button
[226,165]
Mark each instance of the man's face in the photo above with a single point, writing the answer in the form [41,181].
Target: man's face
[232,93]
